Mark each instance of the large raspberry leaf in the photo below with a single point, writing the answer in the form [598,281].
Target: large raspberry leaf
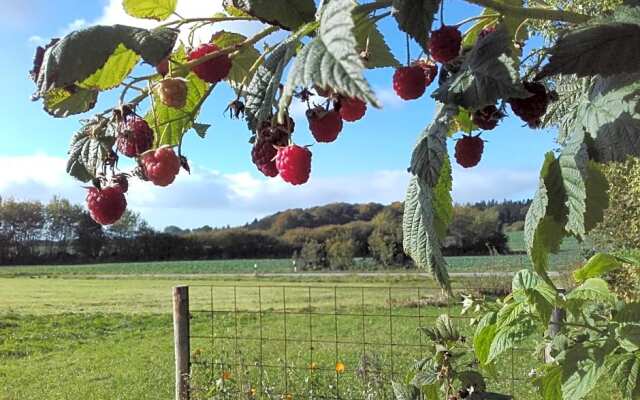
[546,218]
[570,200]
[611,115]
[330,60]
[77,56]
[429,206]
[369,37]
[284,13]
[260,94]
[150,9]
[420,238]
[170,124]
[61,103]
[242,61]
[488,73]
[89,147]
[562,112]
[606,47]
[430,152]
[114,71]
[415,18]
[626,374]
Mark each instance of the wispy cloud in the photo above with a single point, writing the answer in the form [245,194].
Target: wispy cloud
[215,198]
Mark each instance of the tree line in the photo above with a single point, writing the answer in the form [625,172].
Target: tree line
[329,236]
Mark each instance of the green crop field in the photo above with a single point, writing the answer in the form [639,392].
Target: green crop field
[104,331]
[567,258]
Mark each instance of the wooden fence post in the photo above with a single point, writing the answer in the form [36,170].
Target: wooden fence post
[181,340]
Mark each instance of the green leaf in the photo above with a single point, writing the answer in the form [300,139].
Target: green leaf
[581,370]
[150,9]
[287,14]
[597,266]
[630,312]
[625,373]
[483,337]
[593,289]
[524,279]
[546,218]
[509,313]
[505,339]
[80,54]
[330,60]
[430,151]
[471,36]
[610,113]
[118,66]
[260,94]
[573,168]
[62,103]
[550,383]
[369,37]
[442,201]
[415,17]
[488,73]
[201,129]
[89,147]
[629,336]
[169,123]
[427,375]
[242,62]
[405,392]
[463,122]
[561,113]
[606,47]
[420,240]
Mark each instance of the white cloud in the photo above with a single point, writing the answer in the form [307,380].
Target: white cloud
[389,98]
[37,40]
[113,13]
[215,198]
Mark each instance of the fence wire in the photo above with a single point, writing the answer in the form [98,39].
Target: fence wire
[320,342]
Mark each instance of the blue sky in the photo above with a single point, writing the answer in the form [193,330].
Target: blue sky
[367,163]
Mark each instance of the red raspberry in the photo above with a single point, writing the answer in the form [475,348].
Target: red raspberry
[106,205]
[121,182]
[213,70]
[409,82]
[294,164]
[469,151]
[487,118]
[324,125]
[445,43]
[135,137]
[161,166]
[531,109]
[352,109]
[487,30]
[430,70]
[172,92]
[264,150]
[163,67]
[322,92]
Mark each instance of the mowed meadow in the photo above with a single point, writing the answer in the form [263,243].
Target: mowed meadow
[105,331]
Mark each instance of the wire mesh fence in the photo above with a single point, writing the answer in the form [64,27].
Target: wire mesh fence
[320,342]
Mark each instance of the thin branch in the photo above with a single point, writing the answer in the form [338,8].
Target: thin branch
[533,12]
[212,20]
[228,50]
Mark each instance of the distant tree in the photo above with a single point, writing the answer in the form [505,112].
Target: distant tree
[312,256]
[173,230]
[90,237]
[341,250]
[385,241]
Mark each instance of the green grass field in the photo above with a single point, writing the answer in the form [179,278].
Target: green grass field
[112,338]
[89,334]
